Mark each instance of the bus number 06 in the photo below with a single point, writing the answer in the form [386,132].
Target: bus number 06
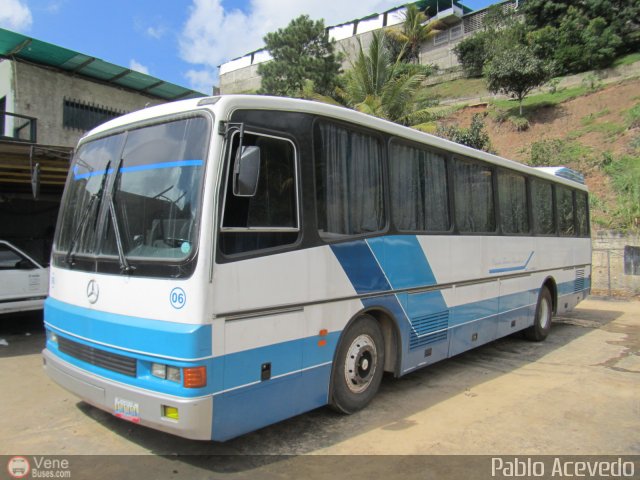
[177,298]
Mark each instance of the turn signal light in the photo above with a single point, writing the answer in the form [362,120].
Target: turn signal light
[194,377]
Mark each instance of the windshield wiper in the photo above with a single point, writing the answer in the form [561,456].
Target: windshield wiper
[124,263]
[85,216]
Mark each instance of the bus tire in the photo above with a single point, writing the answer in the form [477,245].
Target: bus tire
[542,322]
[358,367]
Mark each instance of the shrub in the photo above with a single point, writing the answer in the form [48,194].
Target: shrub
[474,136]
[472,54]
[556,152]
[520,123]
[633,116]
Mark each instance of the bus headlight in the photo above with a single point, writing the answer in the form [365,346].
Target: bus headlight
[165,372]
[159,370]
[53,337]
[173,374]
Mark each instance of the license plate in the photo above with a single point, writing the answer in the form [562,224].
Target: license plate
[127,410]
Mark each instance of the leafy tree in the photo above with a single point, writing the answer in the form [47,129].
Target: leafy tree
[472,53]
[301,52]
[583,35]
[474,136]
[516,71]
[383,86]
[501,29]
[416,29]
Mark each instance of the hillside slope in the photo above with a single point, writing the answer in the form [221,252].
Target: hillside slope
[596,133]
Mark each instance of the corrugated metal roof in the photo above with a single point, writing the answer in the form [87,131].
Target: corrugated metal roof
[16,46]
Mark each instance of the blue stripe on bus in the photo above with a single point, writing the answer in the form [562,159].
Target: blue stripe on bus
[361,267]
[155,337]
[512,269]
[155,166]
[242,368]
[138,168]
[403,261]
[256,406]
[397,262]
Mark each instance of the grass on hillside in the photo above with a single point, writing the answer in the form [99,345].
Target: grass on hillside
[625,179]
[461,88]
[627,59]
[509,107]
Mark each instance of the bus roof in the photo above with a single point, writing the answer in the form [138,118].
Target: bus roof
[223,106]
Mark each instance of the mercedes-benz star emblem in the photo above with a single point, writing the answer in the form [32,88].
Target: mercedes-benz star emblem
[93,291]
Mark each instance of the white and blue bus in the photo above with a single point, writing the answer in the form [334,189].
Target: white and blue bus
[221,264]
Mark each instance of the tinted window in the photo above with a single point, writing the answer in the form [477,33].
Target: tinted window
[419,193]
[270,218]
[349,187]
[564,198]
[473,197]
[542,208]
[8,258]
[582,210]
[512,192]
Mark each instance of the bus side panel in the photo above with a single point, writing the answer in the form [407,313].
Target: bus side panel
[422,317]
[517,307]
[475,320]
[256,406]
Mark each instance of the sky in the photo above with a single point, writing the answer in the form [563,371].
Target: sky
[180,41]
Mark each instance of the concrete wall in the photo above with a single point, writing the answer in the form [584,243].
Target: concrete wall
[608,277]
[7,89]
[244,80]
[40,93]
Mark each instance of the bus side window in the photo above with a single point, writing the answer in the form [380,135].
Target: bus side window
[349,182]
[582,217]
[419,189]
[270,218]
[542,208]
[473,193]
[512,194]
[566,225]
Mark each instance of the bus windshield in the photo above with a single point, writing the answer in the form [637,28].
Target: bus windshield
[136,195]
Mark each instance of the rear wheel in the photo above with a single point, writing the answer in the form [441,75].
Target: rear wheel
[358,366]
[542,323]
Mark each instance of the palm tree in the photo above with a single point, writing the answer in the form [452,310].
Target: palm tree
[416,29]
[383,86]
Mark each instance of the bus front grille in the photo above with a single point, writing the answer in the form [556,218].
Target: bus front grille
[99,358]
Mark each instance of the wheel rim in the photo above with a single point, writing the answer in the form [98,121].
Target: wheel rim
[545,314]
[361,363]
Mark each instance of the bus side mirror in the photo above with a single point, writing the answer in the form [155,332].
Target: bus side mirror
[246,171]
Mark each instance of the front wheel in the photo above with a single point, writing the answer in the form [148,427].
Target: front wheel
[358,366]
[542,323]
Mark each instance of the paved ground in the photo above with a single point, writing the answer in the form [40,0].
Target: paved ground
[576,393]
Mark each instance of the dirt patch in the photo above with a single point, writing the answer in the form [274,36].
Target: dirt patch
[596,121]
[606,106]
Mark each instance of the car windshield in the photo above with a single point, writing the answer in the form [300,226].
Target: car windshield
[136,195]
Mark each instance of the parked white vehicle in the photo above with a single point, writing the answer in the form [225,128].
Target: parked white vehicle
[24,283]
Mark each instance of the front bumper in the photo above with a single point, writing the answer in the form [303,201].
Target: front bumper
[195,413]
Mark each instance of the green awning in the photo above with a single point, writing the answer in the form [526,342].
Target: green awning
[16,46]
